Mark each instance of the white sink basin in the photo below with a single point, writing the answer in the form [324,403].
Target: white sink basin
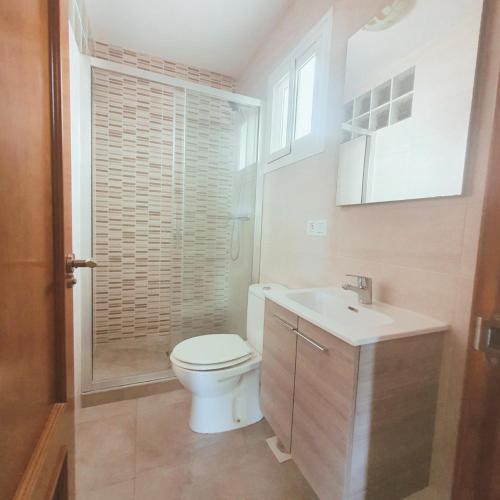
[339,306]
[338,312]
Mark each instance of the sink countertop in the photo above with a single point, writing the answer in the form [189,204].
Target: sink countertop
[338,312]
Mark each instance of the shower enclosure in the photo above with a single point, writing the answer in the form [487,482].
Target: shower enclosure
[173,183]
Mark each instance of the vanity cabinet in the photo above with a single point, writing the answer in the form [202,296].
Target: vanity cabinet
[323,408]
[278,370]
[361,418]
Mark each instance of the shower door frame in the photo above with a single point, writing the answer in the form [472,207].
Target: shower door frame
[88,385]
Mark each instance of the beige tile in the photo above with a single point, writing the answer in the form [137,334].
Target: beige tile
[118,491]
[264,477]
[207,471]
[427,292]
[106,410]
[105,451]
[223,486]
[257,432]
[426,235]
[115,361]
[130,392]
[173,462]
[163,482]
[164,437]
[157,401]
[219,452]
[254,474]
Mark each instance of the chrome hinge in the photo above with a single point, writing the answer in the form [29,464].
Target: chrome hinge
[487,338]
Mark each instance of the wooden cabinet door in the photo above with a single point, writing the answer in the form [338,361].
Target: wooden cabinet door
[278,370]
[325,378]
[36,352]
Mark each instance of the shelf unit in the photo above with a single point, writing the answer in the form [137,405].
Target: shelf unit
[383,106]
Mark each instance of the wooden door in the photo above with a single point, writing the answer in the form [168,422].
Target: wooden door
[278,371]
[325,385]
[36,351]
[477,471]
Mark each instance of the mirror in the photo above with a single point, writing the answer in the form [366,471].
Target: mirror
[407,102]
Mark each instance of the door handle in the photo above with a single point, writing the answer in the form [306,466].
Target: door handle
[284,323]
[314,344]
[487,337]
[72,263]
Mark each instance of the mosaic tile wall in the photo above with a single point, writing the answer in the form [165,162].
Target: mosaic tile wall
[163,168]
[159,65]
[208,188]
[134,209]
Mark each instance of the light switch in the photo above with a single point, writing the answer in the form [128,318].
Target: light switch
[316,227]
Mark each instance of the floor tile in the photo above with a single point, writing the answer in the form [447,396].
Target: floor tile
[118,491]
[165,439]
[157,401]
[163,483]
[106,410]
[262,476]
[114,361]
[163,436]
[105,451]
[150,440]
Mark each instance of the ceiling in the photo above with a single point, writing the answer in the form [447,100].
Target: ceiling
[218,35]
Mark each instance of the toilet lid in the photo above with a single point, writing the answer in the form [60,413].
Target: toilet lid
[212,349]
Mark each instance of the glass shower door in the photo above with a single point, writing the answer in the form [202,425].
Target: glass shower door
[173,202]
[216,228]
[134,126]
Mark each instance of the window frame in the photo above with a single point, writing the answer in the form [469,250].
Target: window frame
[284,69]
[317,41]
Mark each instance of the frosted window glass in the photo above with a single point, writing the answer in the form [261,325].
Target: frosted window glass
[279,122]
[305,97]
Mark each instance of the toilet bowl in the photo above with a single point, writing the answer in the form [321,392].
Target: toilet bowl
[222,372]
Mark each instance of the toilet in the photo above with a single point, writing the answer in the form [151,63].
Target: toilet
[222,372]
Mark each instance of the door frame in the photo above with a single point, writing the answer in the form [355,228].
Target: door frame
[477,450]
[88,385]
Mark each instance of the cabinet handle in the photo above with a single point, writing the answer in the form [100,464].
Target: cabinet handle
[284,323]
[317,346]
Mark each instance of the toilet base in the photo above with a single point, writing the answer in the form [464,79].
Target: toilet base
[234,409]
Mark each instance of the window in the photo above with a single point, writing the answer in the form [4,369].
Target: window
[297,100]
[281,96]
[305,95]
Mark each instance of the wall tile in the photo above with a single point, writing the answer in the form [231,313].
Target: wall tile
[164,185]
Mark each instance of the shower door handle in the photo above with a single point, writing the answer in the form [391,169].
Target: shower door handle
[72,263]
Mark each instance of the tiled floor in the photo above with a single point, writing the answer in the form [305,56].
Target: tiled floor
[115,361]
[144,450]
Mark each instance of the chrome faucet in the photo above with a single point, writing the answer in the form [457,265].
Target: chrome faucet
[363,288]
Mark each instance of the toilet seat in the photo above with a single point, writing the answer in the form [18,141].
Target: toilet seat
[214,367]
[211,352]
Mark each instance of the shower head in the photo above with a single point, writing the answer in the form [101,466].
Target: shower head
[234,106]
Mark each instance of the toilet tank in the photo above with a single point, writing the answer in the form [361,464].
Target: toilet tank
[255,313]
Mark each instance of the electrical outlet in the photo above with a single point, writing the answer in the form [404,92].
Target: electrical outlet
[316,227]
